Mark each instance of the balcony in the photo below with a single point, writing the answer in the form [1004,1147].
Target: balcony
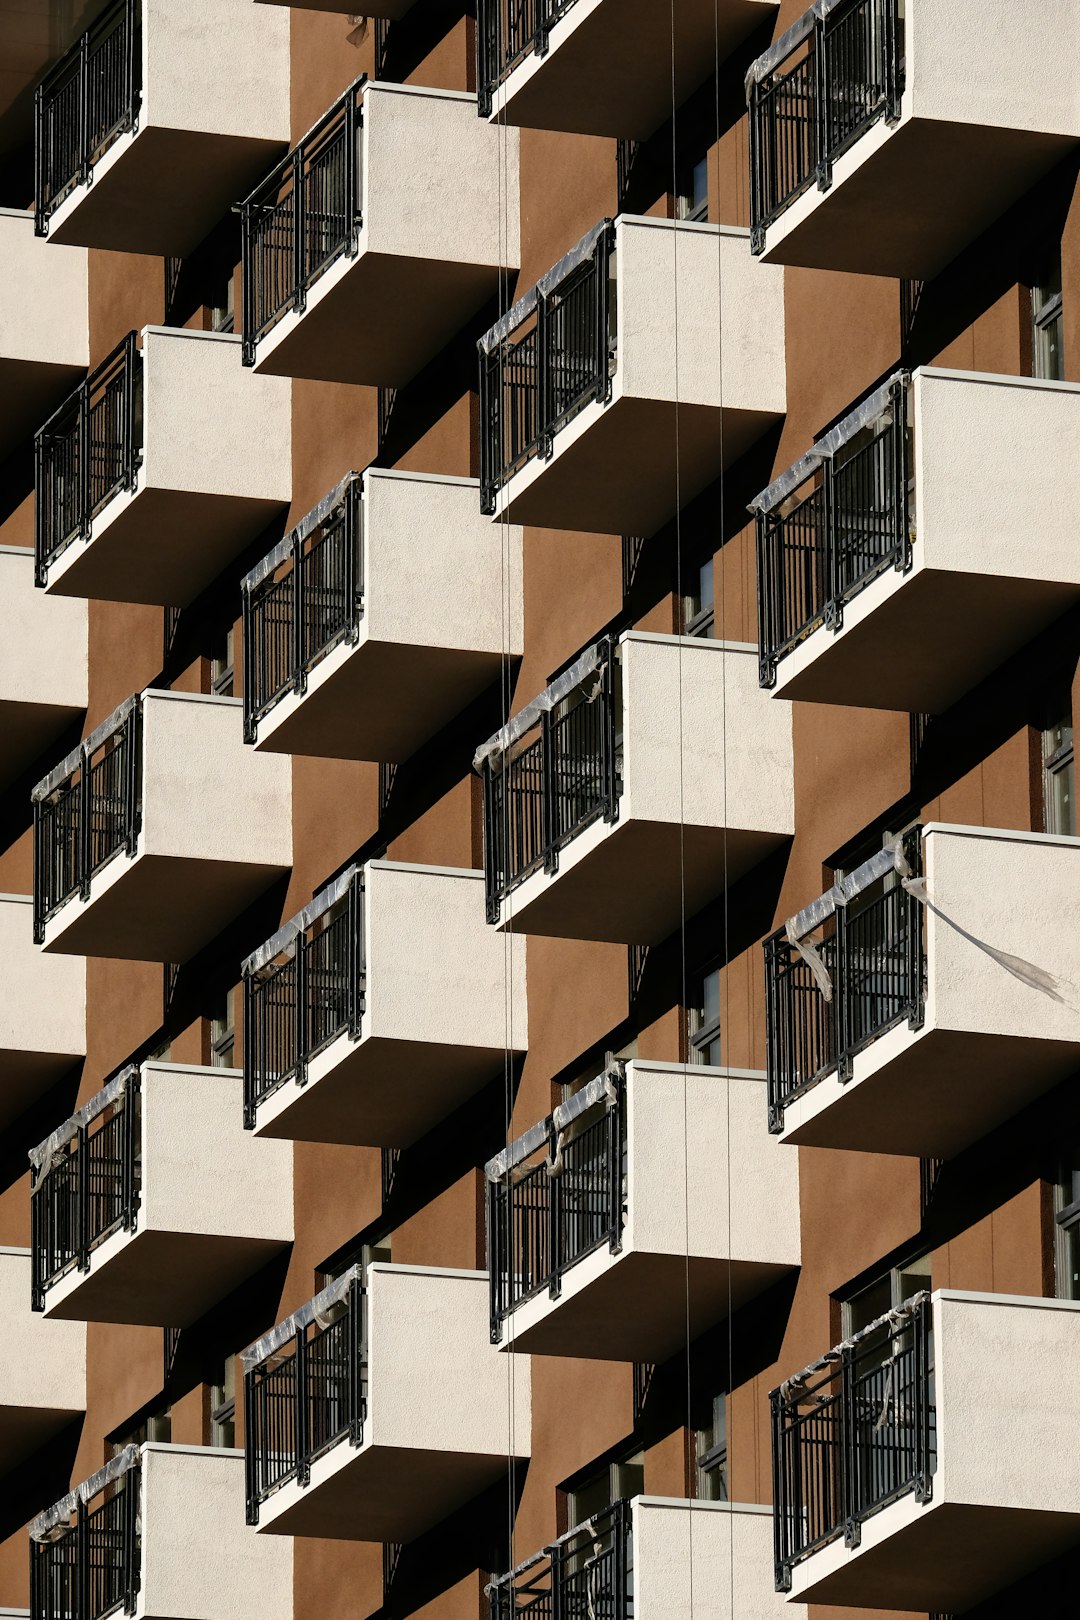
[652,1558]
[944,499]
[927,1009]
[158,1532]
[379,1008]
[39,697]
[602,820]
[156,119]
[157,831]
[385,229]
[151,1203]
[928,1462]
[582,380]
[886,135]
[601,67]
[42,1011]
[44,325]
[377,1409]
[589,1250]
[43,1372]
[160,469]
[386,611]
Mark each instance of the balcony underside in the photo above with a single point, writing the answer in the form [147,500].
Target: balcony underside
[25,1077]
[159,546]
[25,1429]
[157,1279]
[634,1306]
[379,1493]
[377,1092]
[633,40]
[156,908]
[626,884]
[26,730]
[627,467]
[899,647]
[942,1558]
[30,391]
[905,201]
[377,700]
[161,191]
[928,1094]
[377,318]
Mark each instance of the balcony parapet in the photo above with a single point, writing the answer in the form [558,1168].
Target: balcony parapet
[44,325]
[43,1373]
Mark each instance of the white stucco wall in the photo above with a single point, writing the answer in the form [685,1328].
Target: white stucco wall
[699,320]
[705,1561]
[36,625]
[211,426]
[704,1176]
[42,998]
[43,296]
[437,573]
[206,796]
[435,1381]
[997,475]
[220,66]
[435,971]
[44,1363]
[703,744]
[199,1558]
[1014,67]
[1020,893]
[438,182]
[201,1171]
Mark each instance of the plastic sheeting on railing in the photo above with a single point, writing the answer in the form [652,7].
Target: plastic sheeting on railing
[558,1122]
[889,859]
[44,1156]
[579,254]
[298,534]
[801,29]
[549,698]
[54,1521]
[318,1310]
[283,943]
[73,761]
[895,1319]
[872,409]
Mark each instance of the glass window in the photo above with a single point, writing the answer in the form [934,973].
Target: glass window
[704,1019]
[884,1294]
[223,1033]
[1048,353]
[1059,815]
[698,613]
[712,1454]
[693,199]
[223,1406]
[619,1481]
[222,310]
[1067,1215]
[221,666]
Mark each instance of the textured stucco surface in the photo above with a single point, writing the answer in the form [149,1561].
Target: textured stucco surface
[962,71]
[34,621]
[44,1363]
[705,1561]
[220,66]
[43,296]
[43,998]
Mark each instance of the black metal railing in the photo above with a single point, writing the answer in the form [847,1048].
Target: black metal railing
[305,1397]
[846,523]
[853,1434]
[87,811]
[302,602]
[543,1217]
[88,450]
[538,374]
[91,1567]
[845,71]
[85,103]
[302,218]
[586,1575]
[541,793]
[302,998]
[875,958]
[88,1189]
[507,31]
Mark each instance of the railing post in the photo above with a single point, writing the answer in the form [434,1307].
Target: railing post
[601,267]
[492,898]
[303,1458]
[488,407]
[493,1245]
[558,1593]
[353,175]
[610,734]
[132,1575]
[842,980]
[781,1504]
[131,1121]
[921,1345]
[299,604]
[354,571]
[615,1162]
[355,1353]
[849,1451]
[549,823]
[894,86]
[84,167]
[133,778]
[757,207]
[544,437]
[301,992]
[766,530]
[552,1185]
[833,606]
[82,1560]
[247,658]
[900,474]
[247,284]
[822,89]
[355,954]
[252,1443]
[299,244]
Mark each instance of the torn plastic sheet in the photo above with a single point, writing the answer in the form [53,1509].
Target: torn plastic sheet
[283,943]
[872,409]
[558,1121]
[1036,978]
[804,922]
[54,1522]
[45,1155]
[73,761]
[782,48]
[296,536]
[579,254]
[549,698]
[319,1310]
[895,1320]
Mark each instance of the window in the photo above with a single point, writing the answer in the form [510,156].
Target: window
[703,1017]
[222,310]
[156,1427]
[223,1406]
[1059,815]
[711,1455]
[1048,353]
[221,666]
[692,203]
[698,603]
[1067,1220]
[885,1294]
[619,1481]
[223,1032]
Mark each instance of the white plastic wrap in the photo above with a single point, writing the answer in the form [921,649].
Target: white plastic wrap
[297,535]
[782,48]
[44,1156]
[579,254]
[319,1310]
[73,761]
[558,1122]
[549,698]
[283,943]
[872,409]
[895,1319]
[54,1522]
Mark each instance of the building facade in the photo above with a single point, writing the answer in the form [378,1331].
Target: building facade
[541,997]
